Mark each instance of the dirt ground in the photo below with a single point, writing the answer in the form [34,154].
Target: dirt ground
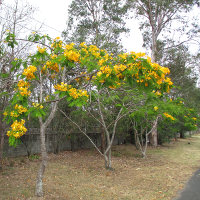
[81,175]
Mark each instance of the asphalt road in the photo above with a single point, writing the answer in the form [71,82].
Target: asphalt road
[192,188]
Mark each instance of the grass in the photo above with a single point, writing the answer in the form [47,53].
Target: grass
[81,174]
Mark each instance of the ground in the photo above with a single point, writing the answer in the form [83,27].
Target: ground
[81,174]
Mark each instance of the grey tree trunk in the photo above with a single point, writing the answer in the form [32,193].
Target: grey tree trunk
[102,140]
[1,144]
[154,137]
[154,134]
[43,164]
[108,162]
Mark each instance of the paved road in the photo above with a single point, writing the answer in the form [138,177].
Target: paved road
[192,188]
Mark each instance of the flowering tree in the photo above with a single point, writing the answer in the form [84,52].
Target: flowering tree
[145,119]
[58,71]
[185,119]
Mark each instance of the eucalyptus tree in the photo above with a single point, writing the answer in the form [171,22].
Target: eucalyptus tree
[159,18]
[98,22]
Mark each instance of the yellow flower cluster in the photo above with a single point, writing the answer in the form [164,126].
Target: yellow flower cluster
[37,105]
[69,46]
[73,92]
[123,56]
[57,43]
[5,113]
[168,116]
[41,50]
[20,109]
[72,55]
[105,70]
[94,50]
[28,72]
[148,73]
[23,88]
[62,87]
[17,129]
[139,55]
[119,69]
[14,114]
[51,65]
[194,118]
[83,45]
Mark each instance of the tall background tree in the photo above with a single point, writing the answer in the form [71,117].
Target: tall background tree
[158,19]
[97,22]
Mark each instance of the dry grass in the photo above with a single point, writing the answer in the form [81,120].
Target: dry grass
[81,175]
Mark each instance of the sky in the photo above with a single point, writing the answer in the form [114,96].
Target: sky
[53,15]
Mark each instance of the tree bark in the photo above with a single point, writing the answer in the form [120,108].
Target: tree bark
[103,140]
[1,144]
[154,136]
[39,182]
[108,162]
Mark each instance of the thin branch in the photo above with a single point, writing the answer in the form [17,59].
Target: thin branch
[81,131]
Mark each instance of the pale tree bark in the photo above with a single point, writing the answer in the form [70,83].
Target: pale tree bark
[44,157]
[2,132]
[154,136]
[141,143]
[109,138]
[103,141]
[43,127]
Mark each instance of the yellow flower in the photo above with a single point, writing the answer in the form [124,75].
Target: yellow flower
[41,50]
[158,93]
[28,72]
[83,45]
[20,109]
[22,83]
[99,73]
[13,114]
[155,108]
[112,87]
[17,129]
[168,116]
[62,87]
[37,105]
[5,113]
[72,55]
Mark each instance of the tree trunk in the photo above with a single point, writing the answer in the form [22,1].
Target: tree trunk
[136,140]
[154,136]
[108,163]
[2,143]
[103,140]
[43,164]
